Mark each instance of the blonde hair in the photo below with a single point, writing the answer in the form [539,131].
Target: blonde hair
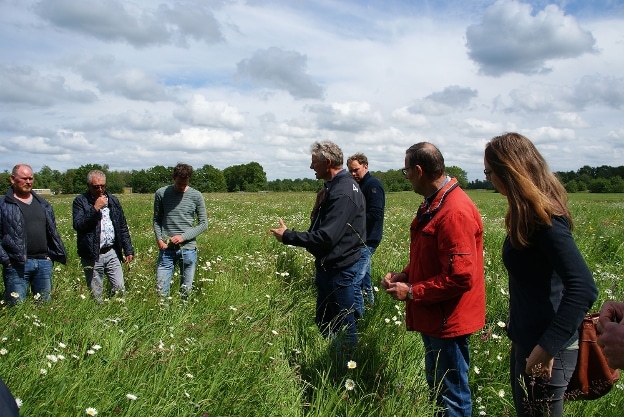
[534,193]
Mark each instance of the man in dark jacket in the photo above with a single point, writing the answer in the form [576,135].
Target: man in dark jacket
[103,236]
[335,238]
[30,242]
[375,203]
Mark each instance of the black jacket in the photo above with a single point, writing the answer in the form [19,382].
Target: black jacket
[87,225]
[338,232]
[12,231]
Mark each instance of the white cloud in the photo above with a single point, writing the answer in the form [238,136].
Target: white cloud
[511,39]
[115,21]
[348,116]
[199,111]
[25,85]
[279,69]
[138,84]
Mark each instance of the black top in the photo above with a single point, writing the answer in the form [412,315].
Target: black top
[550,289]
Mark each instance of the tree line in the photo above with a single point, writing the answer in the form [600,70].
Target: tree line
[252,178]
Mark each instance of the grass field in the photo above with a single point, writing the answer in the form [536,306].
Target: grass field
[245,343]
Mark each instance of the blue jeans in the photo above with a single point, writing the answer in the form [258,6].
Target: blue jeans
[17,277]
[334,305]
[362,285]
[186,259]
[535,396]
[447,362]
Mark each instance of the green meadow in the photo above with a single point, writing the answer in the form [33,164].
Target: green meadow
[245,343]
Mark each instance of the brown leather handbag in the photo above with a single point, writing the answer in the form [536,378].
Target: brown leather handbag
[592,377]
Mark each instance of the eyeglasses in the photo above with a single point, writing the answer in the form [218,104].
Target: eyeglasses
[487,172]
[404,170]
[98,185]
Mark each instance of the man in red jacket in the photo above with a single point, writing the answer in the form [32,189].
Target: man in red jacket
[443,284]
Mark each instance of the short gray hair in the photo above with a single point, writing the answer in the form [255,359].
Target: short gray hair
[328,150]
[95,173]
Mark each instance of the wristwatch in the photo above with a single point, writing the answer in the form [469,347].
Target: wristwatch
[410,296]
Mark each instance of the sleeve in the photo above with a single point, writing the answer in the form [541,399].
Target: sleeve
[202,218]
[85,216]
[579,288]
[158,215]
[124,232]
[375,202]
[338,215]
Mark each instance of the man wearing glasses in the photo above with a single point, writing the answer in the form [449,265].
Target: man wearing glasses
[103,237]
[30,242]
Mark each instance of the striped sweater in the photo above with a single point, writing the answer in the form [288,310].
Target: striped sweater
[175,214]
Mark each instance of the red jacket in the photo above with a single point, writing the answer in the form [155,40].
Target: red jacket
[446,266]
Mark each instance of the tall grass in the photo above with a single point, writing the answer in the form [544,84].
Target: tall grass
[245,343]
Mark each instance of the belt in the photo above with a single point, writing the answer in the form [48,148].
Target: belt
[106,249]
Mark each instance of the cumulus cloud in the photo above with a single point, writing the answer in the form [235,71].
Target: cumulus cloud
[405,116]
[24,85]
[199,111]
[280,69]
[350,116]
[511,39]
[57,144]
[196,139]
[606,90]
[454,96]
[115,21]
[451,98]
[591,90]
[111,77]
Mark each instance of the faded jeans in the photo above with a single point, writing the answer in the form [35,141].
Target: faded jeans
[17,277]
[186,259]
[108,265]
[362,284]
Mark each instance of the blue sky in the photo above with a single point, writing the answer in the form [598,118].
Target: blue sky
[135,84]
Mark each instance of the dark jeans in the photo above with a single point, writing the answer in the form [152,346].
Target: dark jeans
[447,362]
[538,396]
[335,304]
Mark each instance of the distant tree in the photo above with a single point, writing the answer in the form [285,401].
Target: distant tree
[480,185]
[460,174]
[599,185]
[49,178]
[617,185]
[159,176]
[5,181]
[140,182]
[248,177]
[393,180]
[209,179]
[115,182]
[571,186]
[79,180]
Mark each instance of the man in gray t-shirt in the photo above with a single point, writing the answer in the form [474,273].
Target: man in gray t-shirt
[179,217]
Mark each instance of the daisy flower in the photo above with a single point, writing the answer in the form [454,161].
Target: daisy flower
[91,411]
[351,364]
[349,384]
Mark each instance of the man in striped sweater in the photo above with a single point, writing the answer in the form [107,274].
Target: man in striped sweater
[179,217]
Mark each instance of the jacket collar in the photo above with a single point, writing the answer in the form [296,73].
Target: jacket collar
[431,205]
